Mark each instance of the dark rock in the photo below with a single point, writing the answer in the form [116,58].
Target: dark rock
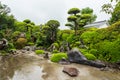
[75,56]
[73,72]
[46,55]
[94,63]
[64,61]
[3,43]
[118,63]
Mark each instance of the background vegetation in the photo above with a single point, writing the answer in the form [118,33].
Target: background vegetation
[102,44]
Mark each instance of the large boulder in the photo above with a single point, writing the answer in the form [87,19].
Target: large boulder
[75,56]
[73,72]
[3,43]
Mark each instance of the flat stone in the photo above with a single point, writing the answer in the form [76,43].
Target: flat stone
[73,72]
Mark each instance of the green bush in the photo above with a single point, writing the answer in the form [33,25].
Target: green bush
[56,45]
[93,51]
[55,51]
[83,51]
[90,56]
[77,44]
[11,46]
[57,57]
[30,43]
[39,51]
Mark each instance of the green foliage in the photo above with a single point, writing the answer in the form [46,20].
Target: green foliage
[89,37]
[30,44]
[72,18]
[79,19]
[56,45]
[58,56]
[55,51]
[90,56]
[64,36]
[53,24]
[20,26]
[73,11]
[39,51]
[115,14]
[104,43]
[94,52]
[6,20]
[52,29]
[27,21]
[11,46]
[87,10]
[83,51]
[20,43]
[77,43]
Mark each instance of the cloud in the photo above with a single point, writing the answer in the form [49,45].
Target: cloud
[40,11]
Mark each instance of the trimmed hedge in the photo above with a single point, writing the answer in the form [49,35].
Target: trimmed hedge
[57,57]
[39,51]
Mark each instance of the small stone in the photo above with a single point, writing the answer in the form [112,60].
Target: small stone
[46,56]
[73,72]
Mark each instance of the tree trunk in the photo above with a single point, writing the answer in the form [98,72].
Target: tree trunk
[75,28]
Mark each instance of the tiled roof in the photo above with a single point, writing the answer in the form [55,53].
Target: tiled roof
[97,24]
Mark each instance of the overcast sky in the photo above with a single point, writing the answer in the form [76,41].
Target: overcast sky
[40,11]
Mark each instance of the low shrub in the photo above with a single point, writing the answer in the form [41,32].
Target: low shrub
[57,57]
[56,45]
[83,51]
[55,51]
[90,56]
[94,52]
[39,51]
[30,43]
[11,46]
[77,44]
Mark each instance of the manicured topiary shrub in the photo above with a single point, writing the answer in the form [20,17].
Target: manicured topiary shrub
[21,42]
[57,57]
[39,51]
[90,56]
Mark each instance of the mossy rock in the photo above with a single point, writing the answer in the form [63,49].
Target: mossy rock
[21,42]
[58,56]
